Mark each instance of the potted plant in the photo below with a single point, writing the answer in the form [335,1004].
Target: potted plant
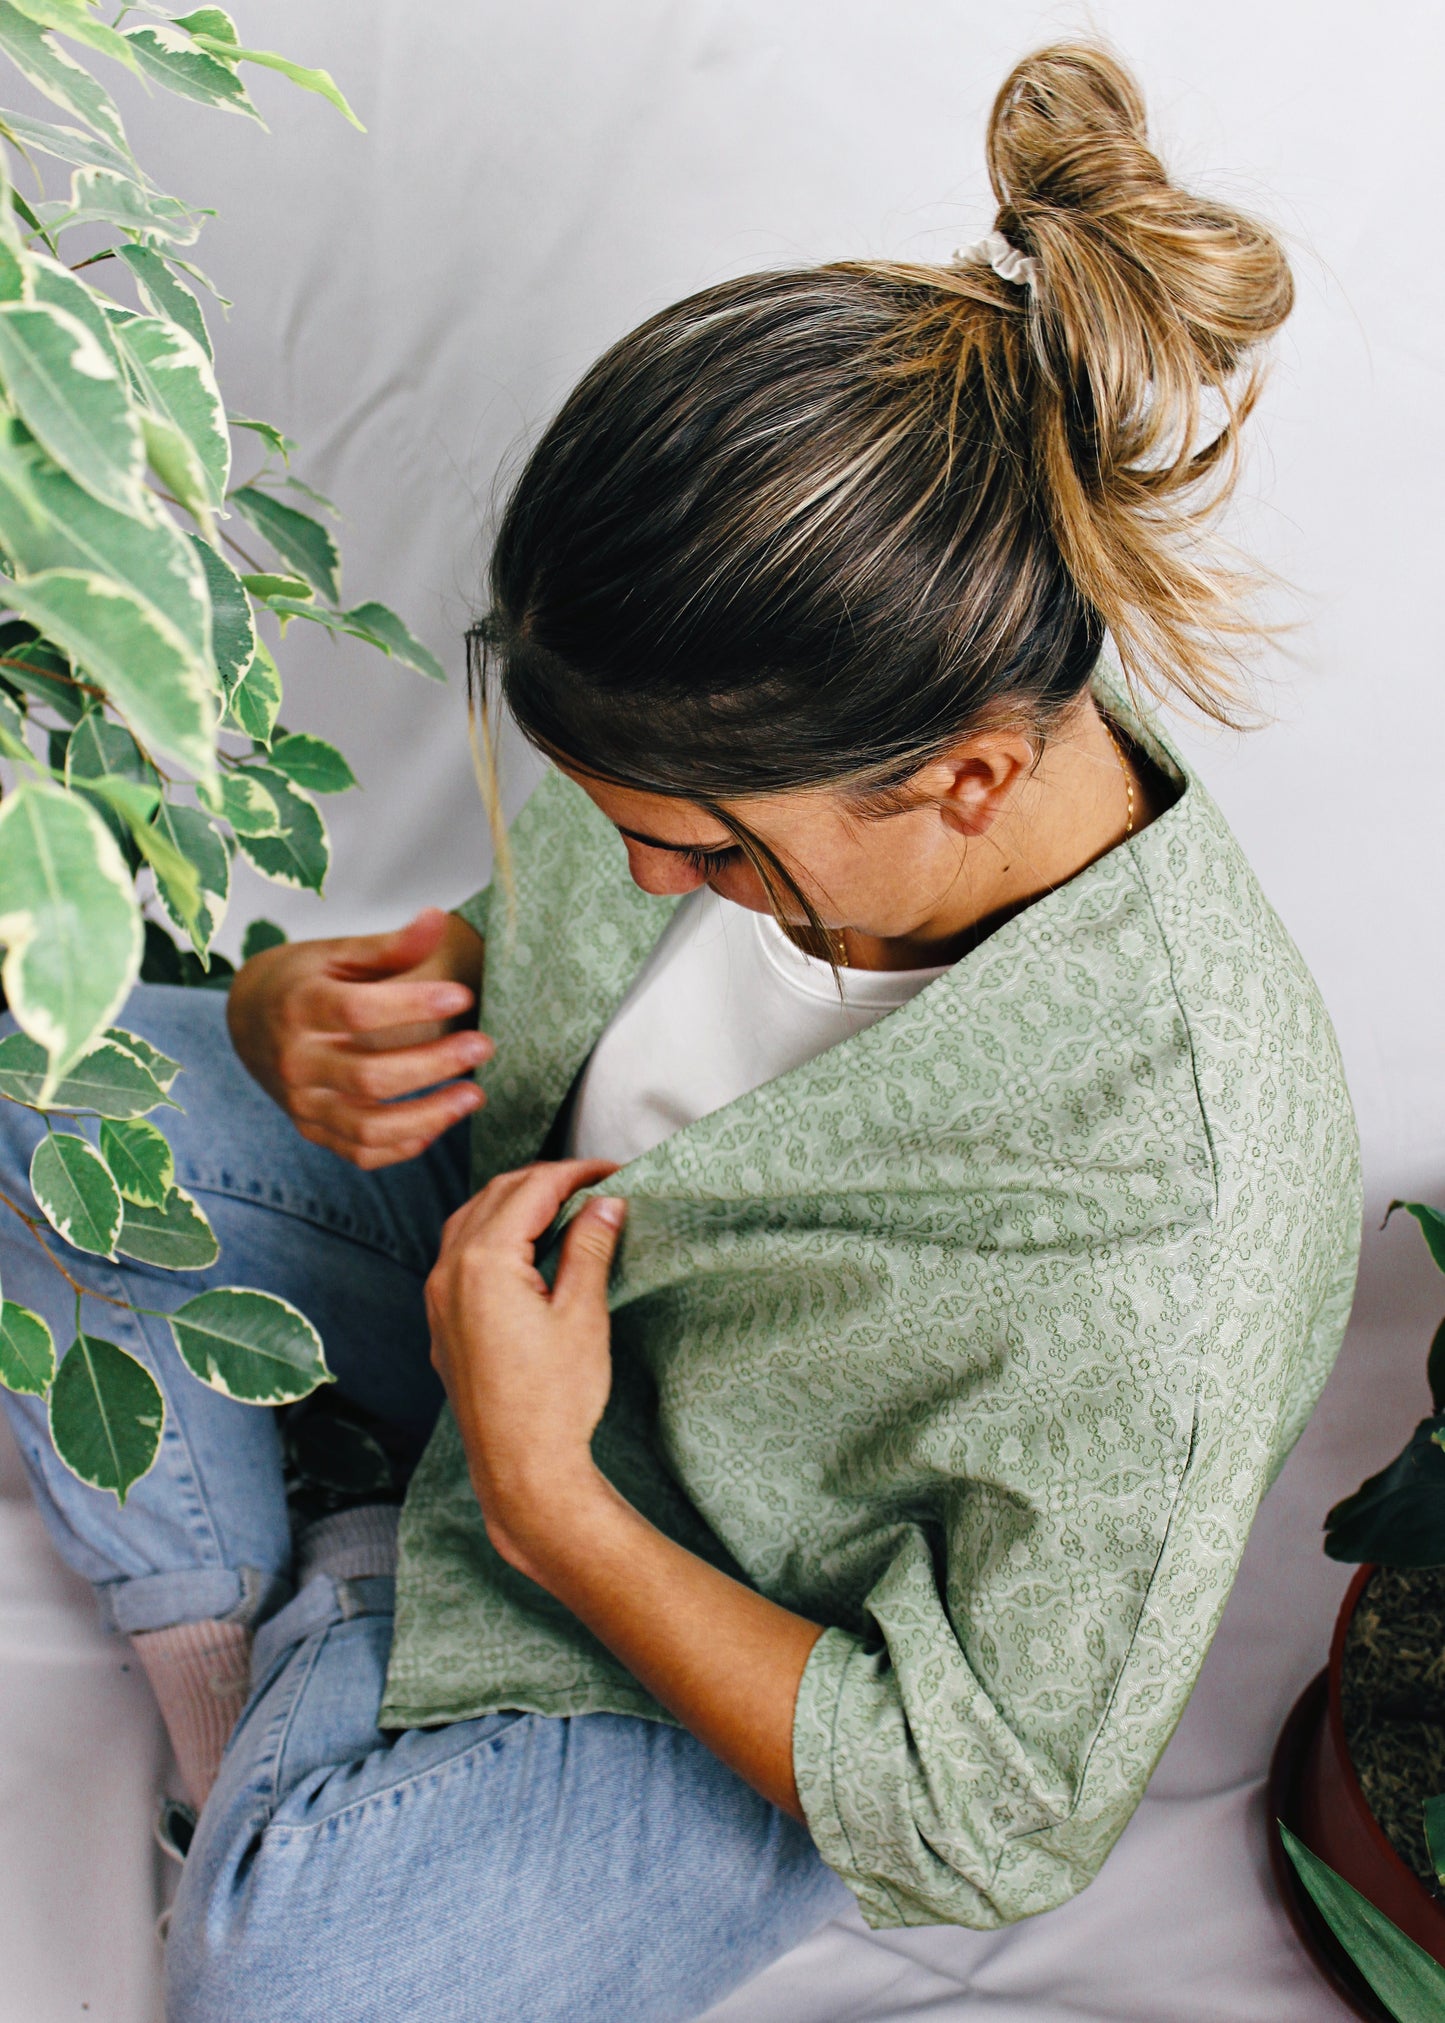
[1359,1775]
[143,593]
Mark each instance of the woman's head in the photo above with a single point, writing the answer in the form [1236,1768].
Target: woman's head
[809,529]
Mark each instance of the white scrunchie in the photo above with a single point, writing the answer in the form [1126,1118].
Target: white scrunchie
[1005,259]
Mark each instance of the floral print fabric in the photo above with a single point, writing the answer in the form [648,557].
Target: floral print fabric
[977,1339]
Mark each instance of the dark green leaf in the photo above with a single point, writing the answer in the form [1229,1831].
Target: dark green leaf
[31,665]
[176,1237]
[1409,1983]
[250,1345]
[371,623]
[163,1070]
[106,1415]
[66,389]
[256,698]
[274,440]
[233,631]
[172,59]
[99,749]
[109,1082]
[140,1160]
[68,916]
[163,294]
[55,284]
[312,763]
[27,1351]
[75,1191]
[296,537]
[300,856]
[260,935]
[1435,1369]
[190,834]
[1397,1516]
[74,18]
[1435,1834]
[1431,1221]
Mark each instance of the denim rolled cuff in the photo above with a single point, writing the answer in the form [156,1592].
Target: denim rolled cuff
[159,1601]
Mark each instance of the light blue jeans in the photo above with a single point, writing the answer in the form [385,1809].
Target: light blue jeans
[515,1869]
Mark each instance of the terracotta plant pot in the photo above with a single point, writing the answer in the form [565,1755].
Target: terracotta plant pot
[1314,1790]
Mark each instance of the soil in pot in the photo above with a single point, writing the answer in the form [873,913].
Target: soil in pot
[1392,1698]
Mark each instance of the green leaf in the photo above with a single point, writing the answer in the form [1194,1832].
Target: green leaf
[319,81]
[212,21]
[162,1068]
[172,59]
[14,278]
[65,388]
[1409,1983]
[27,1351]
[1397,1516]
[260,584]
[295,484]
[176,1237]
[274,440]
[109,1081]
[156,680]
[68,918]
[1431,1221]
[177,469]
[141,1162]
[59,77]
[68,144]
[75,1191]
[13,741]
[101,197]
[99,749]
[30,664]
[177,382]
[296,537]
[164,295]
[74,18]
[1435,1834]
[260,935]
[233,629]
[47,522]
[63,290]
[250,1345]
[312,763]
[106,1415]
[300,856]
[189,835]
[372,623]
[256,698]
[246,803]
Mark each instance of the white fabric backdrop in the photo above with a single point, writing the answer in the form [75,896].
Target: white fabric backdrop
[412,305]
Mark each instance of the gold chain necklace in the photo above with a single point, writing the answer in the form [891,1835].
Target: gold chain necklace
[840,940]
[1124,769]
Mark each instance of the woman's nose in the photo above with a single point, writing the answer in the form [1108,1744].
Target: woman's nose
[661,872]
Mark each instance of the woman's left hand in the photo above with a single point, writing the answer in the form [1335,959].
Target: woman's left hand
[527,1370]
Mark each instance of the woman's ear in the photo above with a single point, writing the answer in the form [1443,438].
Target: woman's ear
[975,784]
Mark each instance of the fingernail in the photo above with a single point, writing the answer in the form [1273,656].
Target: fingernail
[609,1208]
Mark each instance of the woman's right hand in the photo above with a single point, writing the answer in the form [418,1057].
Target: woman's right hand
[337,1031]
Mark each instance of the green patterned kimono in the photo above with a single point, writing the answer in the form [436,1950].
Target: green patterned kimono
[976,1338]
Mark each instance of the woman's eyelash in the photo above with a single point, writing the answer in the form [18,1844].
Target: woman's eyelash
[709,862]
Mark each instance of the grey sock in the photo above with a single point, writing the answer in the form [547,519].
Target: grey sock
[355,1544]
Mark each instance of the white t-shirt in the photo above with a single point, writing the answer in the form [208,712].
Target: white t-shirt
[724,1003]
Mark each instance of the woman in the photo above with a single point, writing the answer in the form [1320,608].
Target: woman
[858,1522]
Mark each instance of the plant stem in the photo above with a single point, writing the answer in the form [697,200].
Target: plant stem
[69,1276]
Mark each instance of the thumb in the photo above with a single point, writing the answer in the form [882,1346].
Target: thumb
[587,1252]
[373,955]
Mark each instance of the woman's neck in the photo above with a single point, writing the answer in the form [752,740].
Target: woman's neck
[1088,792]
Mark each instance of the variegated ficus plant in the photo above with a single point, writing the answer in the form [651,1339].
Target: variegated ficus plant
[143,592]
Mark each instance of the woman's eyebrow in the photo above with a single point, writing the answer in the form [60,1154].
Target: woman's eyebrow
[678,849]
